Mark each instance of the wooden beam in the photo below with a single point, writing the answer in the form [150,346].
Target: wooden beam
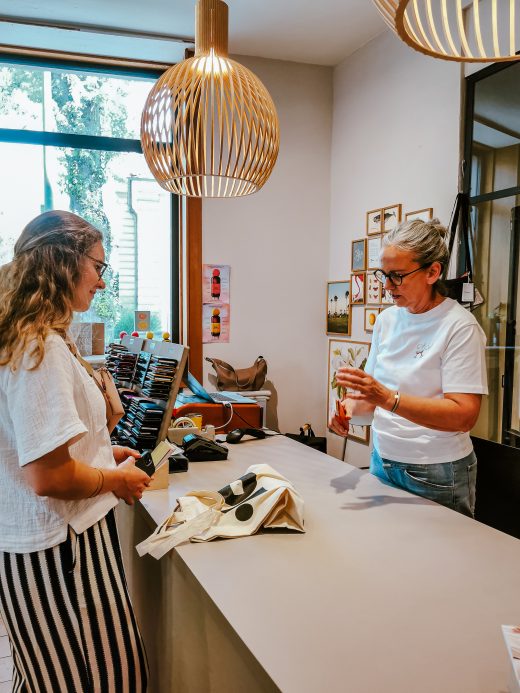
[194,283]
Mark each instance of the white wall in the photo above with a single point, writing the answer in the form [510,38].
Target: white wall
[395,138]
[277,243]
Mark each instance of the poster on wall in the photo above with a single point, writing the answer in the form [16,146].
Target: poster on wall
[215,323]
[343,352]
[215,283]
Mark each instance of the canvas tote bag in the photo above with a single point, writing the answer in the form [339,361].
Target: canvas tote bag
[260,498]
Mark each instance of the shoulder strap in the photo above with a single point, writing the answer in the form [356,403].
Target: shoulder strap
[460,219]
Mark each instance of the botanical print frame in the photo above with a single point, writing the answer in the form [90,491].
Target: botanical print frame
[421,214]
[359,255]
[345,352]
[373,252]
[357,288]
[391,217]
[338,308]
[373,290]
[370,318]
[374,223]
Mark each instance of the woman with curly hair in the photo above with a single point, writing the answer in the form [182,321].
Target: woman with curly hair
[63,594]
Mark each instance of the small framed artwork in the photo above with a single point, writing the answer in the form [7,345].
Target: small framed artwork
[373,252]
[357,288]
[386,297]
[370,318]
[373,289]
[374,222]
[338,307]
[421,214]
[392,217]
[359,255]
[344,352]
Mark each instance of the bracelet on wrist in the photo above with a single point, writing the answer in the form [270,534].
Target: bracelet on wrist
[99,484]
[397,399]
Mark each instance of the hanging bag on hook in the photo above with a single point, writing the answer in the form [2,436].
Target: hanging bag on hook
[462,287]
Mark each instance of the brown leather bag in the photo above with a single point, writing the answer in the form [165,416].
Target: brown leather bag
[105,382]
[229,378]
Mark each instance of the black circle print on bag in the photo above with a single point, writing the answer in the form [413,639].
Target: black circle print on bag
[244,512]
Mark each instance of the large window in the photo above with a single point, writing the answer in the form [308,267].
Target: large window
[69,139]
[493,182]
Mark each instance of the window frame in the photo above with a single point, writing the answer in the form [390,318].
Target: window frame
[508,435]
[102,143]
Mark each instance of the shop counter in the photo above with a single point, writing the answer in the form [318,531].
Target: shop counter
[385,592]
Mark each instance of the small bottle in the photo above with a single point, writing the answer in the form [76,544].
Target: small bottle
[215,323]
[166,337]
[215,284]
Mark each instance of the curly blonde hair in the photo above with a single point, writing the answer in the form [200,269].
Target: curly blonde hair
[37,286]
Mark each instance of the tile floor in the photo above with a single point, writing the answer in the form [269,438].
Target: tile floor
[6,662]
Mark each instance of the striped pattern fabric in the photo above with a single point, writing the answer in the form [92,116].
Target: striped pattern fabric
[69,618]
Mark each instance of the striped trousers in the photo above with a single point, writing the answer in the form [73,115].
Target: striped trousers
[69,618]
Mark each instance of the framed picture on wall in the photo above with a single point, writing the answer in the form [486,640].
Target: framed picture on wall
[359,259]
[338,307]
[344,352]
[373,289]
[421,214]
[374,223]
[373,252]
[391,217]
[370,318]
[357,288]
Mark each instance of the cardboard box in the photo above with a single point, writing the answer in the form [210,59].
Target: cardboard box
[98,338]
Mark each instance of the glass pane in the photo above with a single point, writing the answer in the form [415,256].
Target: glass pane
[497,237]
[71,102]
[496,132]
[116,192]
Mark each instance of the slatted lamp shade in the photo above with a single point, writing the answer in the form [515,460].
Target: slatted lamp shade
[209,126]
[473,31]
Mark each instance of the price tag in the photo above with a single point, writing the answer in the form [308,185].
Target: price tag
[468,292]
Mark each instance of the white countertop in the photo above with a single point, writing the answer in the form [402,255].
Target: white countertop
[386,592]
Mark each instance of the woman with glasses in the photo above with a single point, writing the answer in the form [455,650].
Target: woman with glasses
[63,595]
[424,378]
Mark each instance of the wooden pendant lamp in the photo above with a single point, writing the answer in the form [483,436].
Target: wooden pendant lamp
[209,126]
[473,31]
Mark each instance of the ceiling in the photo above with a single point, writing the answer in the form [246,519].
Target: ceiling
[322,32]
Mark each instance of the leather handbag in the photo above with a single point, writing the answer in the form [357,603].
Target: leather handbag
[106,384]
[229,378]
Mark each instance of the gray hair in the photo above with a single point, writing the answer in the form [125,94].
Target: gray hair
[426,240]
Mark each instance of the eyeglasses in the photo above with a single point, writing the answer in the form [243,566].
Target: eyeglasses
[100,266]
[396,278]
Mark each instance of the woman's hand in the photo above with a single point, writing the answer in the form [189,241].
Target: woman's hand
[131,481]
[366,388]
[121,453]
[339,422]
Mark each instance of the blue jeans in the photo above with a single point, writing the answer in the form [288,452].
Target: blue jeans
[449,483]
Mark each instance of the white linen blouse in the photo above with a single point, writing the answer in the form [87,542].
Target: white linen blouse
[40,410]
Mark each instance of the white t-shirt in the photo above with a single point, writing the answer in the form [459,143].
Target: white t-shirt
[427,355]
[40,410]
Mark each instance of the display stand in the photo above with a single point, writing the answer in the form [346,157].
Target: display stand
[156,378]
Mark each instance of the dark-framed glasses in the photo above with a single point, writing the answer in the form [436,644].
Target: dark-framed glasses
[100,266]
[396,278]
